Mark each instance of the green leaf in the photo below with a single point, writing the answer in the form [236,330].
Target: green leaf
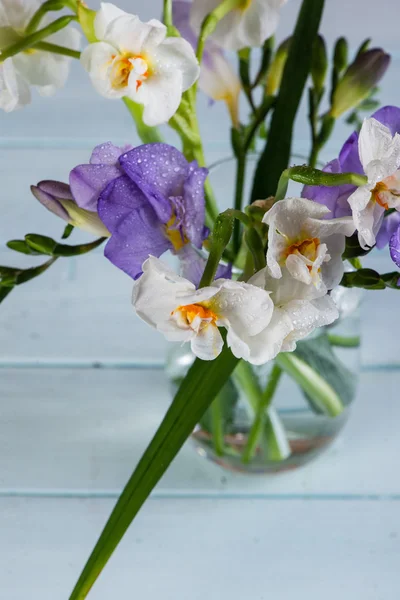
[369,279]
[67,231]
[4,291]
[276,155]
[199,388]
[228,399]
[353,248]
[318,354]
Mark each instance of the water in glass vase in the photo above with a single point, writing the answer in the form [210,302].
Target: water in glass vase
[283,414]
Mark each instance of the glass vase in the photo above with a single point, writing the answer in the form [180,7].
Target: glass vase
[283,414]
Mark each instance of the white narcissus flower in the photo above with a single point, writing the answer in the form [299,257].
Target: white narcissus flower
[248,25]
[298,310]
[380,158]
[308,245]
[137,60]
[218,79]
[46,71]
[173,306]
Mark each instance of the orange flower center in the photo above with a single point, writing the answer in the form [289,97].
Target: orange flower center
[307,248]
[191,311]
[122,68]
[378,194]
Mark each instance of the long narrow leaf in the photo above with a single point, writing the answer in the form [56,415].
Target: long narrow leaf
[276,155]
[195,395]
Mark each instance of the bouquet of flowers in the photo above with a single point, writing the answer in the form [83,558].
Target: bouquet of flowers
[256,279]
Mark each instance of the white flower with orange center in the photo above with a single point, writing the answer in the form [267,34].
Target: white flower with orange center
[137,60]
[247,25]
[173,306]
[380,158]
[43,70]
[305,243]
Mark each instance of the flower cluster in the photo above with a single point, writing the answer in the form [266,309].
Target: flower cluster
[375,206]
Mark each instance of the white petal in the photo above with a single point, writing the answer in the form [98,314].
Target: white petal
[107,14]
[219,81]
[155,293]
[298,269]
[379,151]
[322,228]
[367,215]
[163,97]
[265,346]
[17,13]
[240,28]
[130,35]
[243,307]
[14,90]
[97,60]
[332,270]
[306,316]
[178,54]
[288,215]
[208,343]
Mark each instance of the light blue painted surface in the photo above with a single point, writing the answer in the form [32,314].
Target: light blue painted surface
[69,436]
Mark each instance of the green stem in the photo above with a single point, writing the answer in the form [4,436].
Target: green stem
[55,49]
[319,390]
[217,427]
[260,416]
[342,341]
[51,5]
[240,181]
[148,135]
[273,437]
[167,14]
[211,21]
[34,38]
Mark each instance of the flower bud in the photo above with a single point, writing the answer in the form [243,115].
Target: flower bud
[340,55]
[358,81]
[319,64]
[58,199]
[277,66]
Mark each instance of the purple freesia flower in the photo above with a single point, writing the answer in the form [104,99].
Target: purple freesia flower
[156,204]
[88,181]
[394,247]
[336,198]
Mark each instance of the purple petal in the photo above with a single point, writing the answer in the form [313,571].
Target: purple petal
[193,221]
[107,154]
[136,230]
[50,202]
[58,189]
[160,171]
[88,181]
[193,263]
[394,247]
[388,228]
[390,117]
[349,156]
[322,194]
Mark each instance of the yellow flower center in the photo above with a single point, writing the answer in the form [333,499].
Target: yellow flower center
[122,67]
[174,234]
[307,248]
[378,194]
[191,311]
